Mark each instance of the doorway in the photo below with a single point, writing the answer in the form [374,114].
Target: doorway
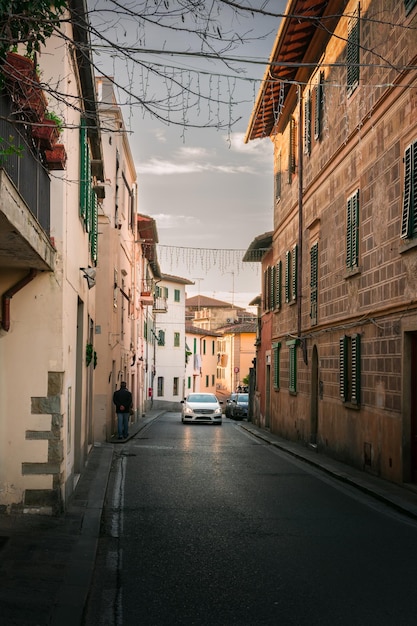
[413,406]
[314,408]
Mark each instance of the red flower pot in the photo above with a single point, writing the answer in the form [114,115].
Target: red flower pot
[56,158]
[46,134]
[23,84]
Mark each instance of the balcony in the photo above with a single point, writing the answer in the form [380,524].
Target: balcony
[25,193]
[160,305]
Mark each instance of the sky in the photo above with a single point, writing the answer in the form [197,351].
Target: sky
[209,193]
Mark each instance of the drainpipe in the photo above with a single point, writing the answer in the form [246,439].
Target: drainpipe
[8,295]
[300,211]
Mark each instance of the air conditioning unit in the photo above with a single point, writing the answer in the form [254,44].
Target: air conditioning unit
[229,320]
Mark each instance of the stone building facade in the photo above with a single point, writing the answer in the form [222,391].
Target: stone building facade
[339,283]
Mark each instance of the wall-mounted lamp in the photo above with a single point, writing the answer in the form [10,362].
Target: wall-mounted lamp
[90,275]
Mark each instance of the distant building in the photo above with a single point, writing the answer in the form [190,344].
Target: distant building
[169,364]
[201,359]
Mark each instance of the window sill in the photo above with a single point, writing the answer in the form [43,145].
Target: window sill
[349,405]
[408,244]
[354,271]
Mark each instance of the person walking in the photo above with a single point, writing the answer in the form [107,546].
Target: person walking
[122,398]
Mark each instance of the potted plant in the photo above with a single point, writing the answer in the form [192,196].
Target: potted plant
[56,158]
[23,85]
[47,132]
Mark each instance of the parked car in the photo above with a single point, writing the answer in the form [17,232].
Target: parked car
[201,408]
[237,406]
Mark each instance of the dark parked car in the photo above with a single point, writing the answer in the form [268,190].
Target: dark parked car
[237,406]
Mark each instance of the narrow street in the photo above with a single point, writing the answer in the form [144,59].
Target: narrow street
[208,525]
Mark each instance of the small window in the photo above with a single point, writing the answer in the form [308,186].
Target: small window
[177,295]
[349,369]
[176,340]
[175,386]
[409,4]
[160,388]
[276,348]
[409,212]
[161,338]
[189,382]
[352,52]
[204,346]
[277,190]
[292,376]
[291,150]
[307,123]
[352,231]
[314,275]
[318,106]
[278,285]
[207,380]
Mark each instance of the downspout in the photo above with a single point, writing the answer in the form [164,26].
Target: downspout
[300,211]
[8,295]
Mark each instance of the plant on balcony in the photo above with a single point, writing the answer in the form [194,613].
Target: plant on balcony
[56,158]
[46,132]
[22,83]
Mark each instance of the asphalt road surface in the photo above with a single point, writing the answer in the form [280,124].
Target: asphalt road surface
[206,525]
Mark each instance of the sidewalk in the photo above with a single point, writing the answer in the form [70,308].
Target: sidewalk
[401,498]
[46,563]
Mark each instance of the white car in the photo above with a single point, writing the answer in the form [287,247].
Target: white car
[201,408]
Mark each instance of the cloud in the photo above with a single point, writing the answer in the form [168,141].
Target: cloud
[166,221]
[260,148]
[161,167]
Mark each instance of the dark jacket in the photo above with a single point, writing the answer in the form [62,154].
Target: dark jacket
[122,398]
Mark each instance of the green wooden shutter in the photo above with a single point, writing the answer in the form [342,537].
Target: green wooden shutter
[270,288]
[287,275]
[94,229]
[318,106]
[352,230]
[307,124]
[409,213]
[292,348]
[291,150]
[356,369]
[343,372]
[278,281]
[84,171]
[314,252]
[276,347]
[278,178]
[352,53]
[294,273]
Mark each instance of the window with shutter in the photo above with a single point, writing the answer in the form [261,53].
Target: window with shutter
[278,285]
[176,340]
[271,281]
[352,231]
[276,347]
[277,189]
[318,106]
[307,123]
[314,251]
[294,261]
[84,171]
[292,382]
[161,338]
[287,275]
[88,197]
[291,150]
[350,369]
[352,52]
[409,4]
[409,212]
